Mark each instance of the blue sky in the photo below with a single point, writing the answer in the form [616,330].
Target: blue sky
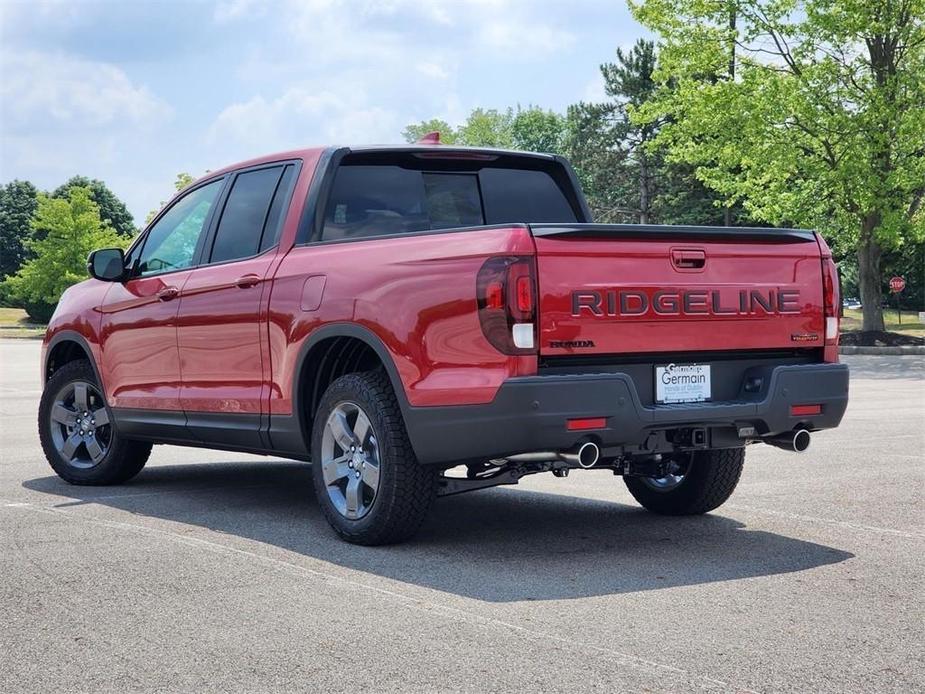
[133,93]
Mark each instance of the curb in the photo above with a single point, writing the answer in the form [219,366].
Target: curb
[906,349]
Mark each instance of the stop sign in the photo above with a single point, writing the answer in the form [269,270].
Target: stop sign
[897,284]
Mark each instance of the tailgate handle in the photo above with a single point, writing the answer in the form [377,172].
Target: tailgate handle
[688,258]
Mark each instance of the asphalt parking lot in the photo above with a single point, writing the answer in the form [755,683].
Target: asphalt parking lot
[215,571]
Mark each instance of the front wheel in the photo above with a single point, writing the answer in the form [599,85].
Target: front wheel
[695,483]
[370,487]
[76,431]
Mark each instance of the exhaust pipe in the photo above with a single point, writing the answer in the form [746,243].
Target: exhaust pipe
[797,440]
[585,455]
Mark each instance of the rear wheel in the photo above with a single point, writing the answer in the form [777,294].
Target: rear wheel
[693,484]
[369,485]
[75,428]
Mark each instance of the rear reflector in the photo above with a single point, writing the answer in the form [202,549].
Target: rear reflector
[586,423]
[804,410]
[522,333]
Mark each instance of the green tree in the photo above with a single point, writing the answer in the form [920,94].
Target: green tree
[416,131]
[625,180]
[112,210]
[18,201]
[592,146]
[530,129]
[534,129]
[811,112]
[487,128]
[182,180]
[621,170]
[72,228]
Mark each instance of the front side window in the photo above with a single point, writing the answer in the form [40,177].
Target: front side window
[245,214]
[171,242]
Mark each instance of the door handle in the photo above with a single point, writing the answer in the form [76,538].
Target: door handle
[168,293]
[247,281]
[688,259]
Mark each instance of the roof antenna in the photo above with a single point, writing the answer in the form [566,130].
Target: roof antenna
[432,138]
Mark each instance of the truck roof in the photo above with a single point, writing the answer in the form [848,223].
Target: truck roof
[311,152]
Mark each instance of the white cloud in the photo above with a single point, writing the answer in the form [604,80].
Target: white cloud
[229,10]
[62,115]
[300,117]
[37,87]
[366,68]
[434,70]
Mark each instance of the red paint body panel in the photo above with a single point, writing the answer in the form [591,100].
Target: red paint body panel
[417,295]
[220,335]
[139,362]
[78,312]
[645,266]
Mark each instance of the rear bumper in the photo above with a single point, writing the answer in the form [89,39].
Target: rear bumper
[529,414]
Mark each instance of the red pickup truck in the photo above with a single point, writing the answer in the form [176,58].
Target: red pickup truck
[427,320]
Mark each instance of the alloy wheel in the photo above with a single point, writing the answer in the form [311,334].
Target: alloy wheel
[80,427]
[350,460]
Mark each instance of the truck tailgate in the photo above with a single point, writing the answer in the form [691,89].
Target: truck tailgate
[616,289]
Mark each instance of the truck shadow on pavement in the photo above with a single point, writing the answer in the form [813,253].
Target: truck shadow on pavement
[497,545]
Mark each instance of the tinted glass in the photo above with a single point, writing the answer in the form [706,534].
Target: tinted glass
[520,195]
[276,217]
[452,200]
[245,213]
[171,242]
[376,200]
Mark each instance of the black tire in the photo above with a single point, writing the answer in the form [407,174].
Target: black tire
[709,480]
[123,458]
[406,489]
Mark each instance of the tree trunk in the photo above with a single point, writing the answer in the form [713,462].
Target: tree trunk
[643,189]
[869,277]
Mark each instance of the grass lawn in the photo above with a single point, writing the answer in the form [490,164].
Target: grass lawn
[911,325]
[15,323]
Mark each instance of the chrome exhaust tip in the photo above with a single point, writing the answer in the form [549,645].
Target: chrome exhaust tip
[801,440]
[584,455]
[796,441]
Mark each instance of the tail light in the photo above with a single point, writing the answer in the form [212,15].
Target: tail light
[831,299]
[506,293]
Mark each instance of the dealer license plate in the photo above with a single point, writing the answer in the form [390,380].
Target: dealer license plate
[682,383]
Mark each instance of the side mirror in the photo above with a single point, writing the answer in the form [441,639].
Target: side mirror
[107,264]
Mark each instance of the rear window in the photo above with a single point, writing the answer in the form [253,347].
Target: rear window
[382,199]
[519,195]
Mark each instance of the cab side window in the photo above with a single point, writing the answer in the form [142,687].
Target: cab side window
[171,242]
[245,215]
